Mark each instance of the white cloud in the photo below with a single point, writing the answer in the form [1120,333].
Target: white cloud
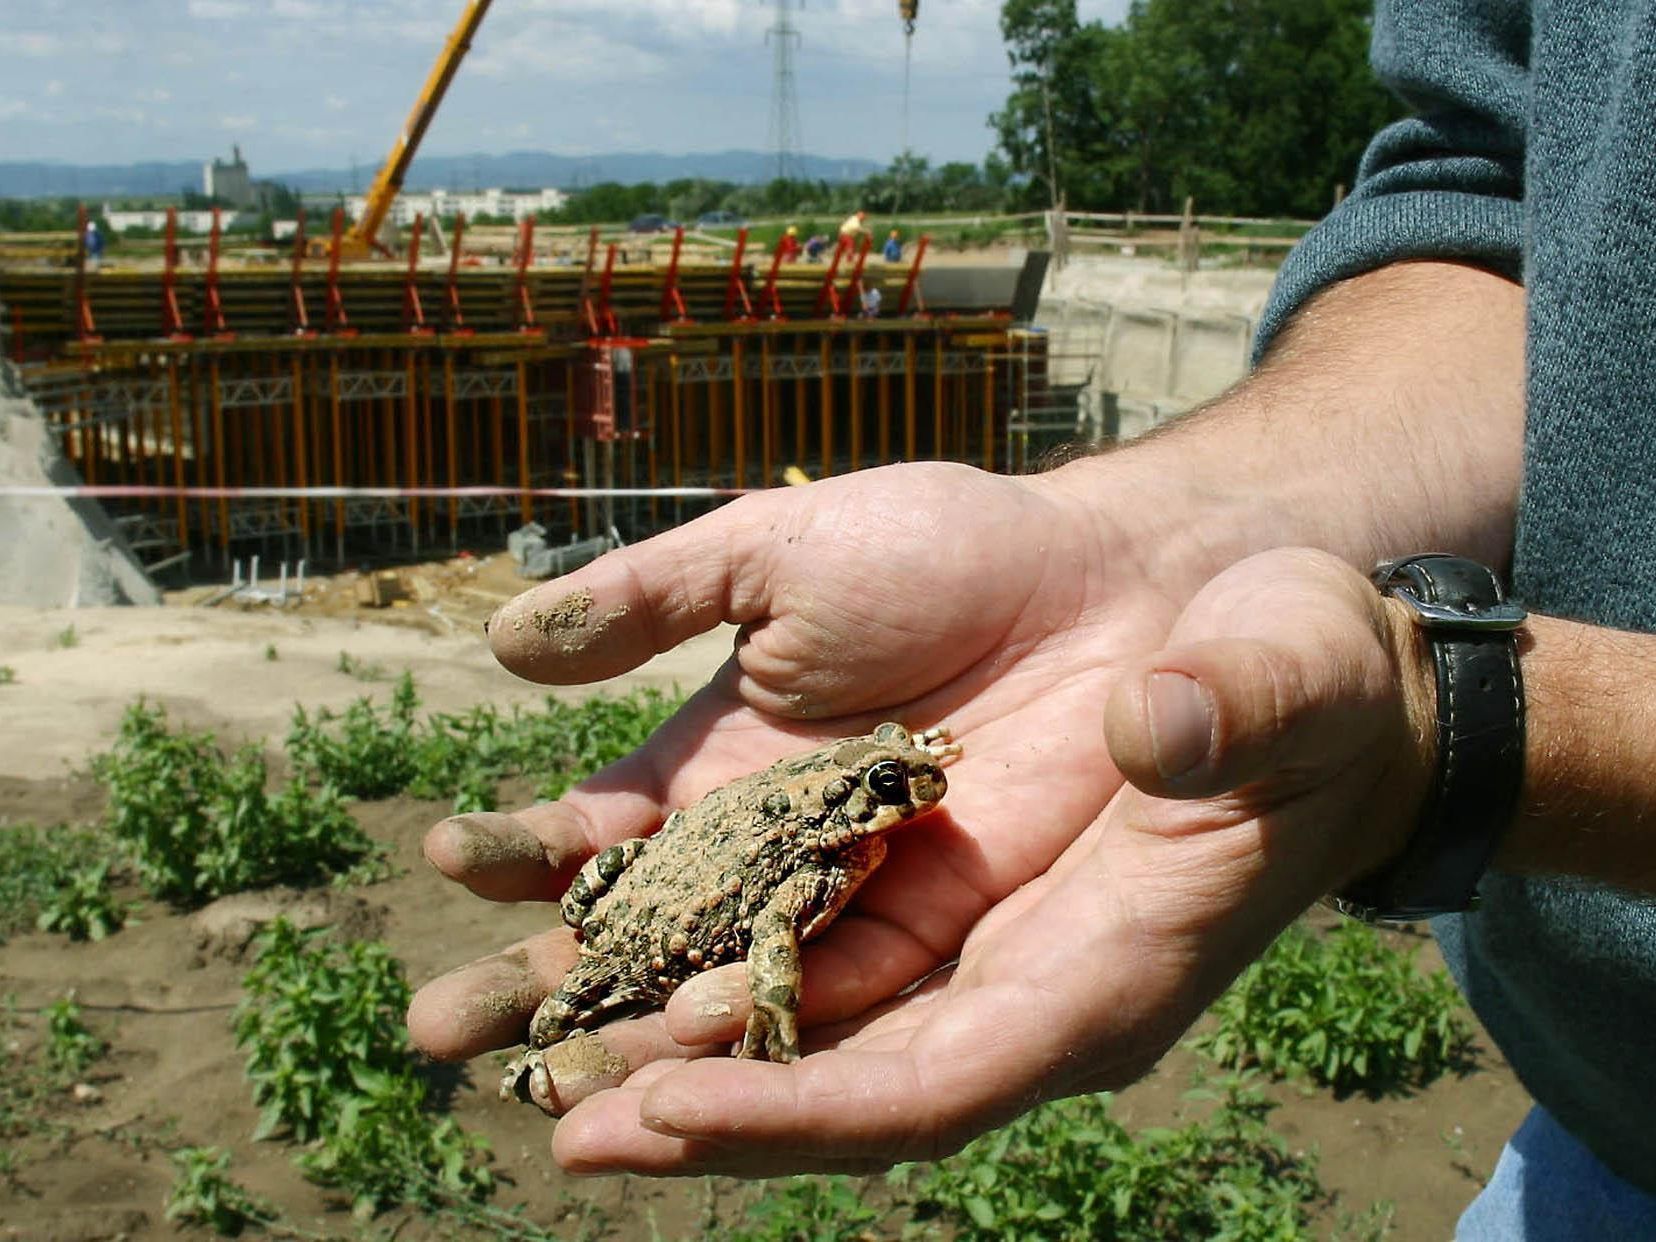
[54,88]
[11,108]
[36,44]
[335,103]
[238,121]
[304,10]
[220,10]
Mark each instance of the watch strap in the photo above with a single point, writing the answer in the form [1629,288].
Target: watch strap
[1469,625]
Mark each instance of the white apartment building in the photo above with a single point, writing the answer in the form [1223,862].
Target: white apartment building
[188,221]
[444,204]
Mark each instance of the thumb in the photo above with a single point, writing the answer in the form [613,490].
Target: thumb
[1271,717]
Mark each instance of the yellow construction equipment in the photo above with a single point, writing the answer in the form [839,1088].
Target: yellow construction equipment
[363,238]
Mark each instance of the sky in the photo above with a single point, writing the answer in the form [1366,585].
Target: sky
[327,83]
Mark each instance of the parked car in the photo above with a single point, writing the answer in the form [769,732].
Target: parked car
[719,220]
[652,223]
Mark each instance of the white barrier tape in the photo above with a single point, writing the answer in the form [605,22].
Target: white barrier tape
[100,491]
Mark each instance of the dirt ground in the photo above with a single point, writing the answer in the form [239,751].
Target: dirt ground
[174,1077]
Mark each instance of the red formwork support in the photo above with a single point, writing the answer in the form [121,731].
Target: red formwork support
[911,286]
[216,325]
[172,321]
[454,320]
[521,297]
[600,314]
[828,297]
[414,320]
[672,297]
[337,322]
[770,298]
[735,287]
[86,327]
[854,287]
[296,282]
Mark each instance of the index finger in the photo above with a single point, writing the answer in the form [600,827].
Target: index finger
[635,602]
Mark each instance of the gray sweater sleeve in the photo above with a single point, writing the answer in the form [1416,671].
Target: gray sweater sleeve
[1447,182]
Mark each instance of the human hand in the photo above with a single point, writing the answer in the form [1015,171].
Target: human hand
[967,1049]
[1312,774]
[925,593]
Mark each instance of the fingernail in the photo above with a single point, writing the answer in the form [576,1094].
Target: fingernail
[1181,723]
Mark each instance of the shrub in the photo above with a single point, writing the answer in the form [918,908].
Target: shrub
[315,1015]
[201,825]
[1345,1008]
[328,1057]
[1067,1171]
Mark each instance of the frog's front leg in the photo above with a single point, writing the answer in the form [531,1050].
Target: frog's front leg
[800,908]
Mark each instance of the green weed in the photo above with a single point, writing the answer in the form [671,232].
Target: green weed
[271,654]
[71,1048]
[204,1194]
[328,1057]
[353,667]
[44,870]
[8,674]
[315,1016]
[201,824]
[822,1209]
[1346,1009]
[67,637]
[372,751]
[82,906]
[1067,1171]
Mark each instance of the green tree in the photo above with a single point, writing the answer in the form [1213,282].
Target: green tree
[1257,107]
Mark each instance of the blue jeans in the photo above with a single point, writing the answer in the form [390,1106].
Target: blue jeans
[1547,1187]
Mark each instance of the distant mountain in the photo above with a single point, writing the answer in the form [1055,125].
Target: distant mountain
[516,168]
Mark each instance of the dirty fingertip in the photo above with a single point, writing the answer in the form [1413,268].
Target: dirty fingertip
[551,634]
[711,1007]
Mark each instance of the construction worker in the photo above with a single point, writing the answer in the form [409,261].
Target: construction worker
[789,247]
[815,244]
[893,250]
[854,226]
[94,244]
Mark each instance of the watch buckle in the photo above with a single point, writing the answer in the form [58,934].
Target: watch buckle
[1496,617]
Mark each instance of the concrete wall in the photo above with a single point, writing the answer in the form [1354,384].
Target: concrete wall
[1158,340]
[55,553]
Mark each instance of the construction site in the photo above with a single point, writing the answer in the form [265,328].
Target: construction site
[370,392]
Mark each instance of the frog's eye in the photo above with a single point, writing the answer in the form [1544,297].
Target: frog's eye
[888,782]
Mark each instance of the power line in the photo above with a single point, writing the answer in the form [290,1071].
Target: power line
[784,138]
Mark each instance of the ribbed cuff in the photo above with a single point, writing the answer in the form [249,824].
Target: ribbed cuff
[1368,232]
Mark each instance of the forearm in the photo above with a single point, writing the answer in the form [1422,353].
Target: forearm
[1388,418]
[1588,807]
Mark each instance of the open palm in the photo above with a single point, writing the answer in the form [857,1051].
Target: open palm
[920,593]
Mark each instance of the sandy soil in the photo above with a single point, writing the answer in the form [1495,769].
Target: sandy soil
[175,1076]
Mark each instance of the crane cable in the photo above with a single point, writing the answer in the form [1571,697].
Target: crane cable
[908,10]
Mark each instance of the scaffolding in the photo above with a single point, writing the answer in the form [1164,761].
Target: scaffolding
[201,386]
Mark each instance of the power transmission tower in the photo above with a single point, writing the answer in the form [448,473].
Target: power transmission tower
[784,117]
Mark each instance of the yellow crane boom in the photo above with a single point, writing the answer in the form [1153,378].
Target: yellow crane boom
[364,234]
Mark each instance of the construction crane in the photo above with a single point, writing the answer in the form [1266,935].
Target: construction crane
[363,238]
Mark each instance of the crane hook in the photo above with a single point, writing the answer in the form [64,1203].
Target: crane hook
[909,11]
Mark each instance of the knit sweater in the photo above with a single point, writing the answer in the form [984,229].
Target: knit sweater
[1532,150]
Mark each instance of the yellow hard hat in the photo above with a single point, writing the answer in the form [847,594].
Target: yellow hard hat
[894,233]
[793,230]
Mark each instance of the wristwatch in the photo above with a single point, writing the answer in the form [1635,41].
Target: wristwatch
[1471,627]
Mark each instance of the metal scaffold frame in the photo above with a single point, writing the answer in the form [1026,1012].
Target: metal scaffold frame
[691,379]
